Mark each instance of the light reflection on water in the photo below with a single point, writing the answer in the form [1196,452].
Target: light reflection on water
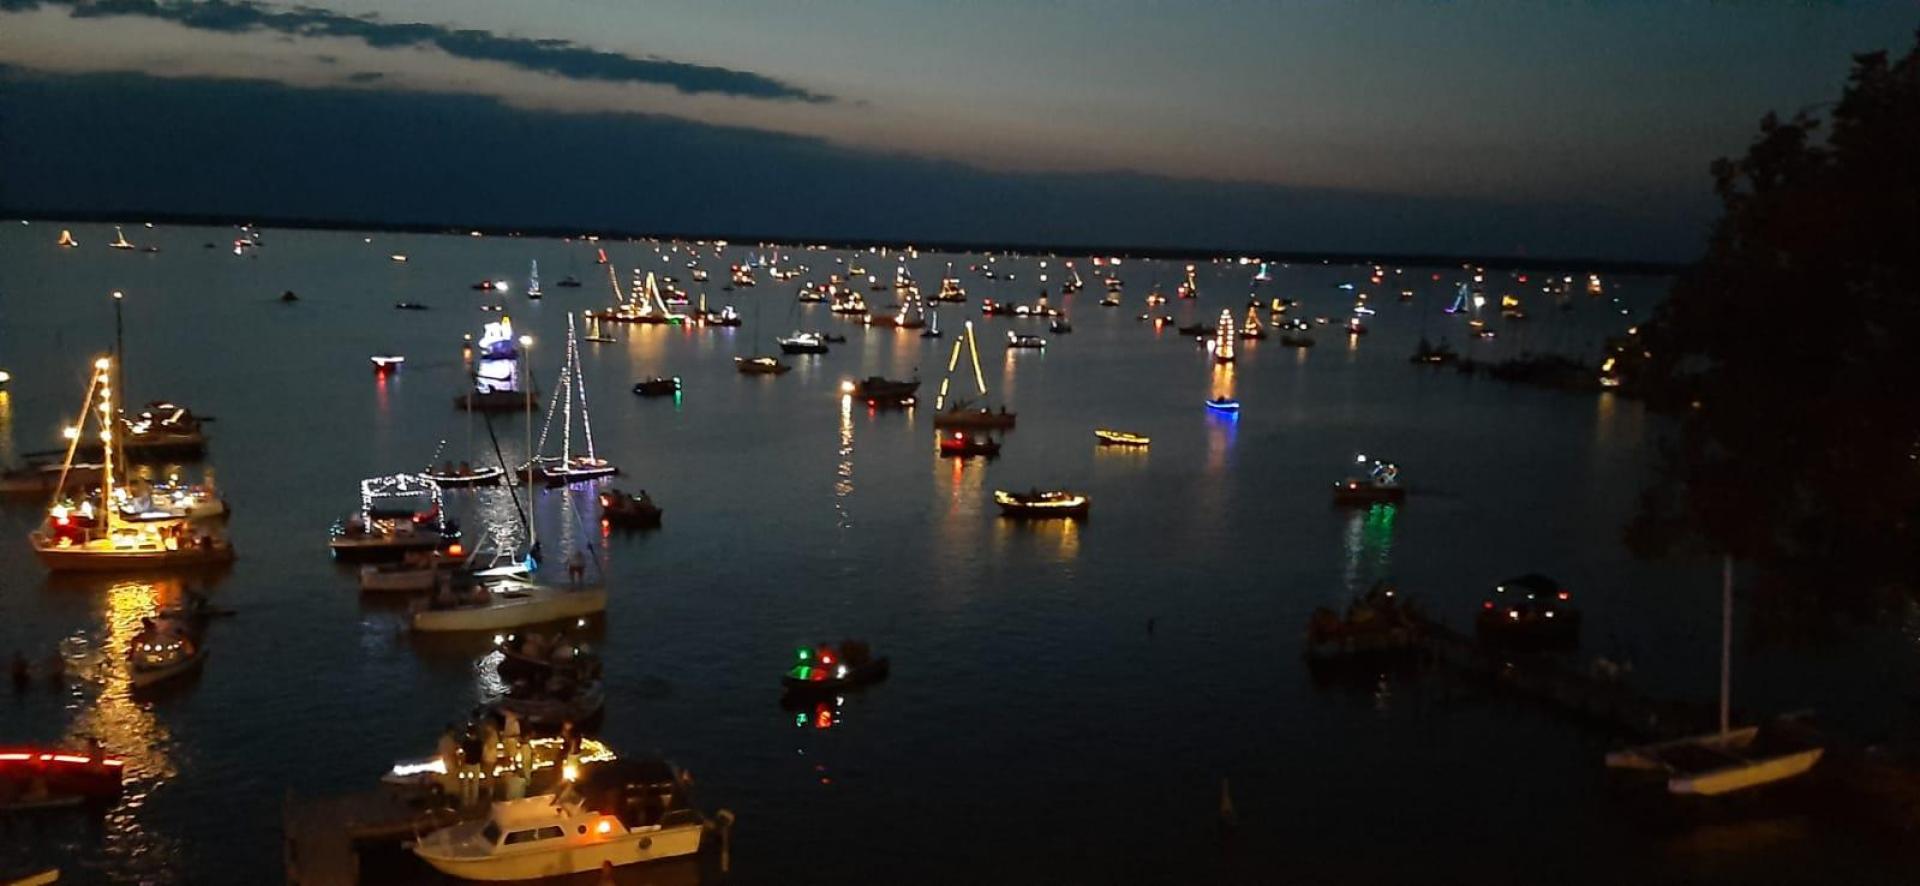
[1368,546]
[101,702]
[843,470]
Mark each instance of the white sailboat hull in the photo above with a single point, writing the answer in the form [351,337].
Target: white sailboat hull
[1749,773]
[519,607]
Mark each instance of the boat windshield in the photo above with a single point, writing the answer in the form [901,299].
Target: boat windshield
[491,833]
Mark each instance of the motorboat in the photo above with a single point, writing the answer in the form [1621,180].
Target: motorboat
[33,778]
[658,387]
[960,444]
[165,648]
[619,812]
[465,475]
[409,306]
[1224,404]
[173,500]
[1060,326]
[416,571]
[1380,483]
[384,364]
[830,669]
[726,317]
[629,511]
[802,343]
[1529,612]
[877,388]
[765,365]
[964,416]
[382,531]
[1018,341]
[1109,437]
[1042,504]
[495,603]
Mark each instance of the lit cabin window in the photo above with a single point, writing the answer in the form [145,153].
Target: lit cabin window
[552,833]
[520,837]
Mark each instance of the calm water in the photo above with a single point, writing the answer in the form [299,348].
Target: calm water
[1034,729]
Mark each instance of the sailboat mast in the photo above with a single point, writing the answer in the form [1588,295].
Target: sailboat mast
[105,366]
[1726,643]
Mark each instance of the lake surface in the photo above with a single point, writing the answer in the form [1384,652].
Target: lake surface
[1066,698]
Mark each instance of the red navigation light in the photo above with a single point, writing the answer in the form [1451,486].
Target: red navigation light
[1565,596]
[1486,604]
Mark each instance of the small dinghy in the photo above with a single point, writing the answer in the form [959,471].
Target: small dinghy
[827,669]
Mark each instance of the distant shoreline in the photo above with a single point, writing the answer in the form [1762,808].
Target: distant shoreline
[1617,266]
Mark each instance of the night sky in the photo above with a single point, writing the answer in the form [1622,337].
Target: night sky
[1468,128]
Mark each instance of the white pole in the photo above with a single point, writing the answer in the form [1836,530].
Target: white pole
[1726,641]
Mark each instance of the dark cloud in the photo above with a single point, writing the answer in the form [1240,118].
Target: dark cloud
[364,76]
[563,58]
[127,142]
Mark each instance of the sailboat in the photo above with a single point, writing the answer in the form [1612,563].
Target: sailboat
[594,332]
[1223,336]
[962,413]
[950,288]
[568,467]
[644,305]
[66,240]
[1073,282]
[1189,288]
[767,364]
[120,239]
[83,538]
[933,324]
[533,280]
[1251,328]
[1728,760]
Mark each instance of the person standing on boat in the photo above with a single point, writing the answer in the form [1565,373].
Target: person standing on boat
[449,761]
[510,737]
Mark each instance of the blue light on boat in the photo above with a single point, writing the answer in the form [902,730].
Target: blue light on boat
[1224,405]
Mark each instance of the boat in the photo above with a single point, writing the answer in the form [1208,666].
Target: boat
[961,444]
[165,648]
[119,239]
[1110,300]
[1037,503]
[802,343]
[875,387]
[1060,326]
[760,366]
[629,511]
[1731,759]
[161,430]
[658,387]
[80,538]
[830,669]
[1073,283]
[1378,624]
[1433,355]
[620,812]
[1188,288]
[962,413]
[380,532]
[811,293]
[1529,612]
[1223,338]
[1380,483]
[1109,437]
[845,301]
[66,240]
[991,308]
[1250,328]
[386,363]
[464,475]
[420,570]
[1194,330]
[398,257]
[33,778]
[45,479]
[950,288]
[1224,404]
[1296,339]
[567,467]
[533,280]
[409,306]
[642,304]
[1018,341]
[499,602]
[569,282]
[172,500]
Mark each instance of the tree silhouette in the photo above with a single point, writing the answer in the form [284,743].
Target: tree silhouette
[1792,349]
